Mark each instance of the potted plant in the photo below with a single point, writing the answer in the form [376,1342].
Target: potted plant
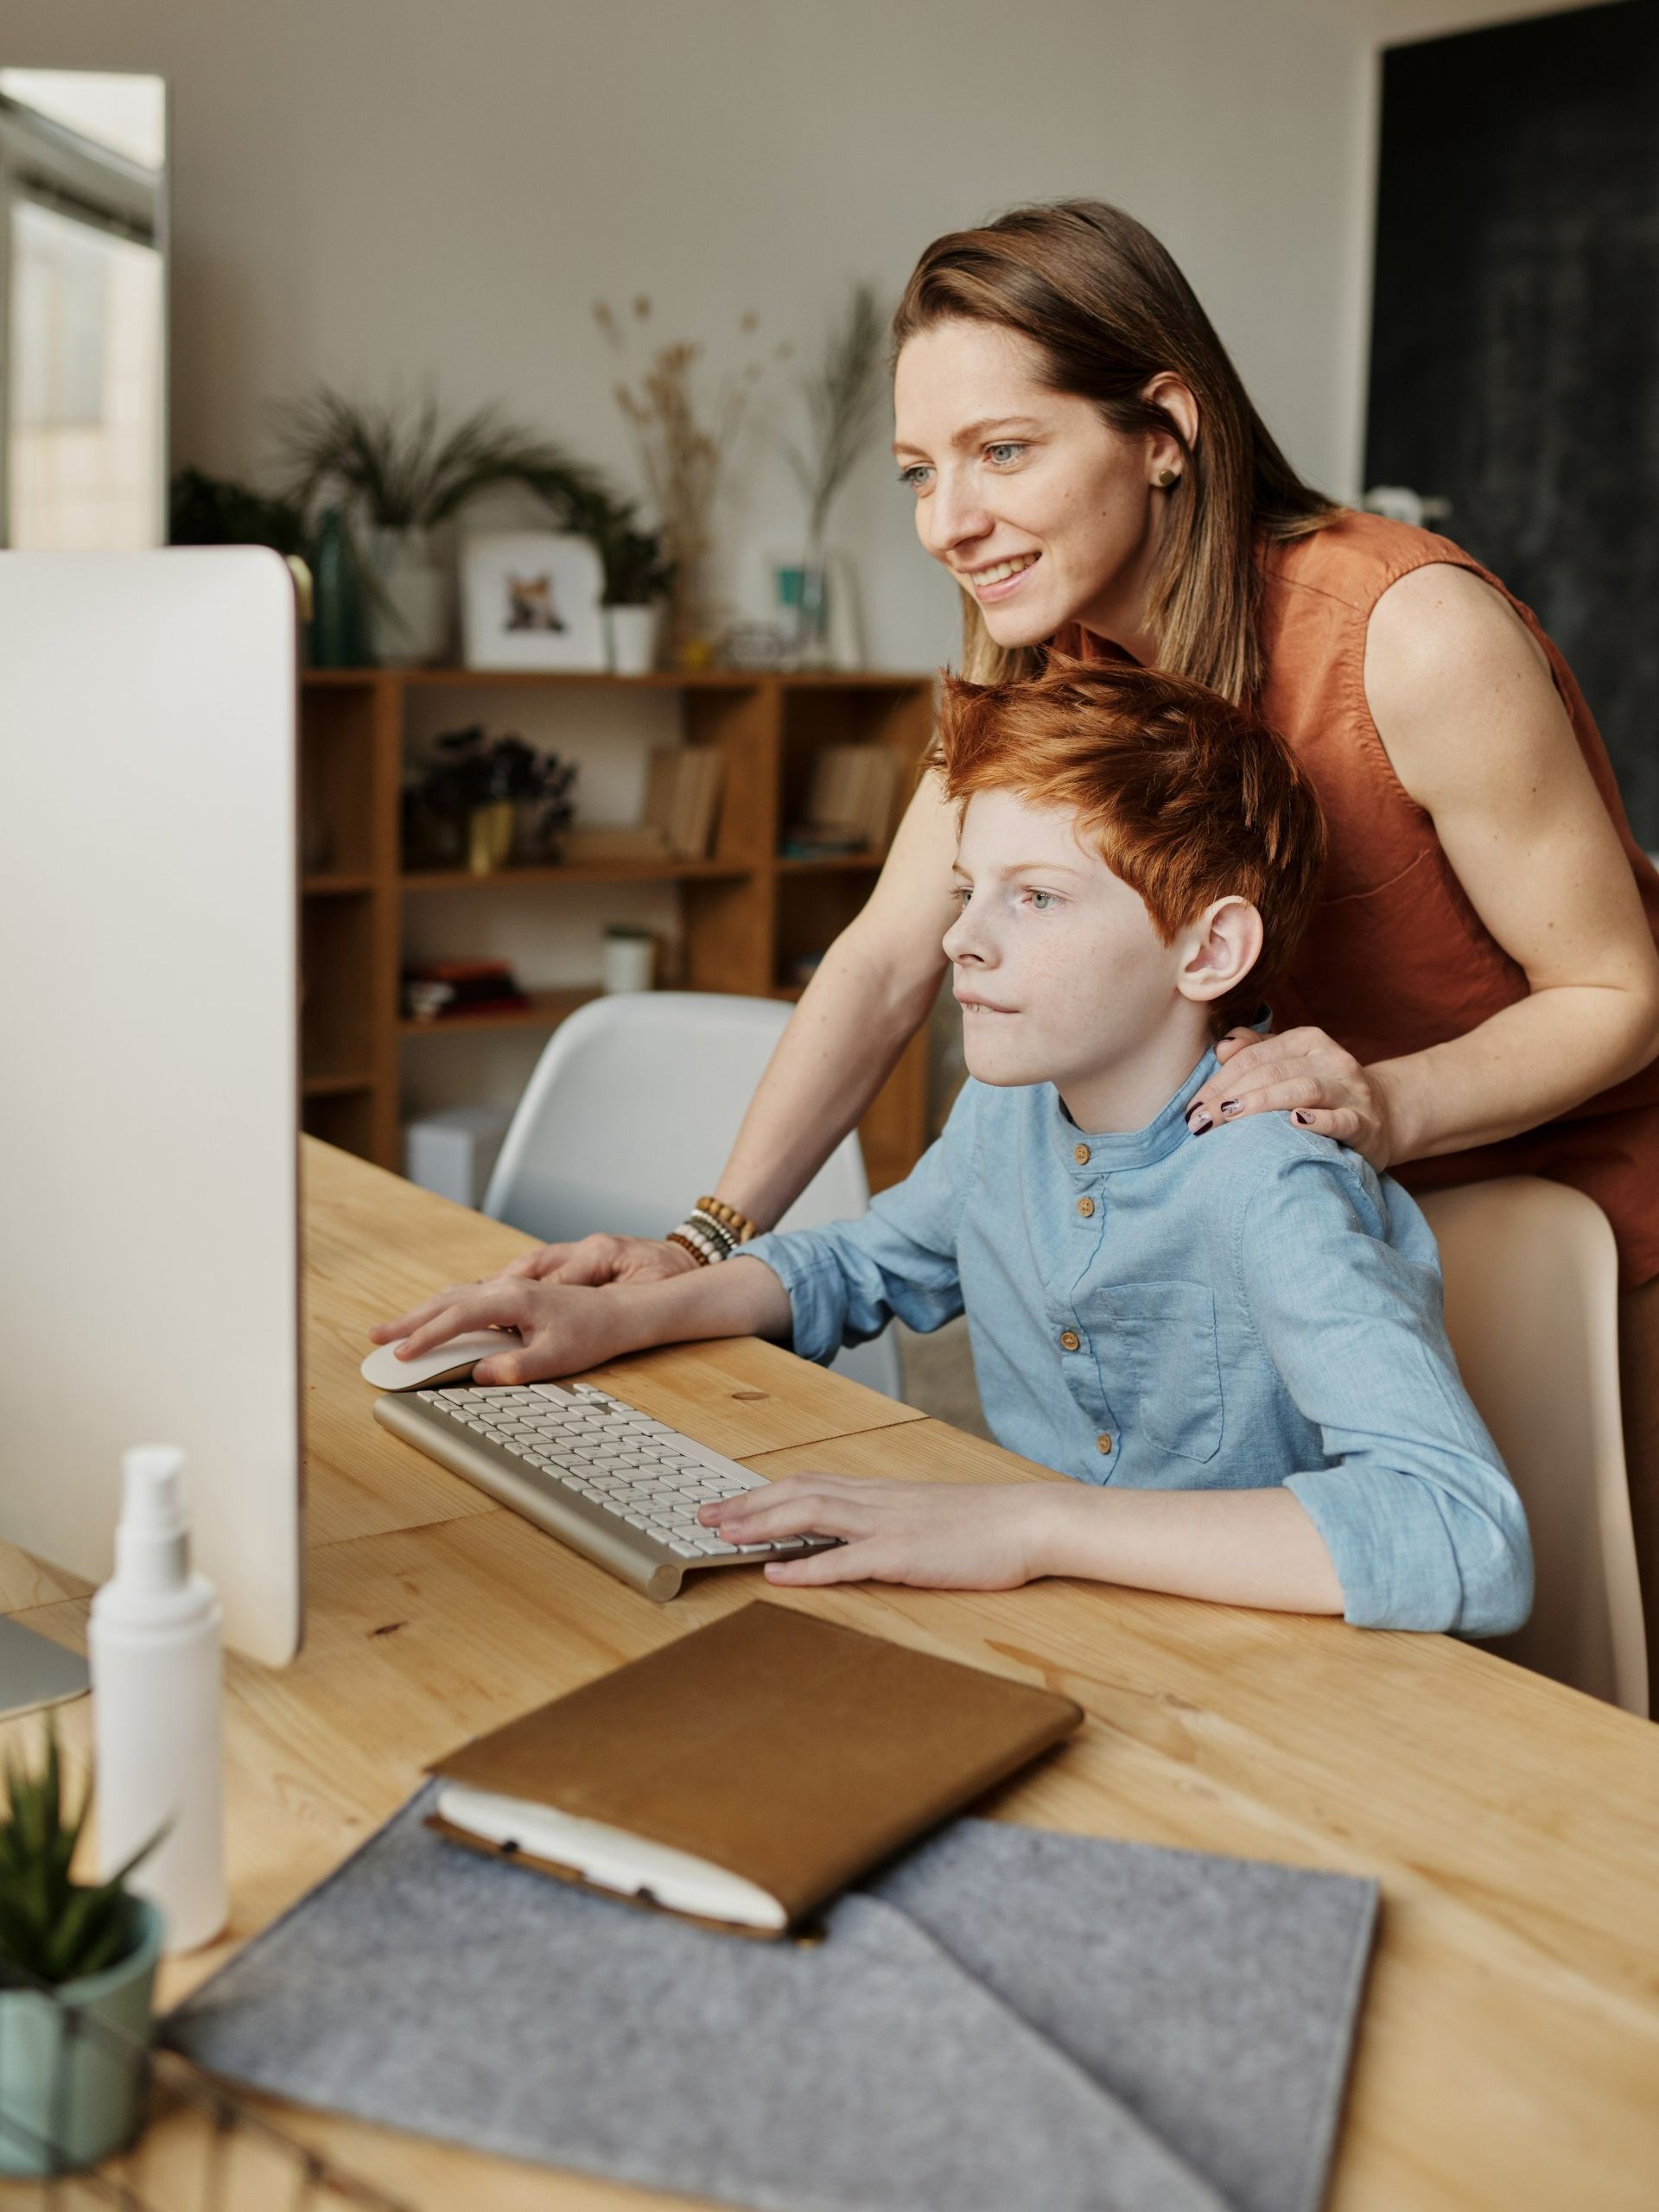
[638,577]
[400,471]
[75,1958]
[485,801]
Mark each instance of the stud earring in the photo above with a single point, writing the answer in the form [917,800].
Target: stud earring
[1166,477]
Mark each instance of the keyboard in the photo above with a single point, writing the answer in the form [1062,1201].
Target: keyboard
[599,1475]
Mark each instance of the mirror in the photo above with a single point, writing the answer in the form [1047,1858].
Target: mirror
[83,310]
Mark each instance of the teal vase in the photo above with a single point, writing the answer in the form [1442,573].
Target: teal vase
[339,632]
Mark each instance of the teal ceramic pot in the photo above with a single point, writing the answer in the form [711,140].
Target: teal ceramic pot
[68,2100]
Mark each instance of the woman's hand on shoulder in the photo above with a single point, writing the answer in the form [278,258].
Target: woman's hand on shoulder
[600,1259]
[1308,1075]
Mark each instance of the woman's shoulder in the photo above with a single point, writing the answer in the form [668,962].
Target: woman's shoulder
[1352,560]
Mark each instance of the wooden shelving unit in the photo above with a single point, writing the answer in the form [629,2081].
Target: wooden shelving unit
[748,914]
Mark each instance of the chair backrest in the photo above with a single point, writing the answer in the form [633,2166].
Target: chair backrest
[630,1113]
[1532,1311]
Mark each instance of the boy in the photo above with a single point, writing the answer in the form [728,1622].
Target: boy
[1231,1340]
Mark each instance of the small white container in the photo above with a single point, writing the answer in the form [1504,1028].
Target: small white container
[451,1152]
[629,963]
[633,633]
[157,1728]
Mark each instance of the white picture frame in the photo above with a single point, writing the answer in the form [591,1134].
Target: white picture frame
[530,598]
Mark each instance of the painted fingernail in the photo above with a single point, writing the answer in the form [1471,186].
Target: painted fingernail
[1299,1116]
[1199,1122]
[1228,1108]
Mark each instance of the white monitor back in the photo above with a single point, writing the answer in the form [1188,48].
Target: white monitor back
[148,1177]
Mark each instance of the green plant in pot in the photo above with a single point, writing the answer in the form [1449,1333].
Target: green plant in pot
[77,1976]
[639,578]
[398,471]
[485,801]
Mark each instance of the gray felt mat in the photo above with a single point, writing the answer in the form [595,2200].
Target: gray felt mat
[1005,2017]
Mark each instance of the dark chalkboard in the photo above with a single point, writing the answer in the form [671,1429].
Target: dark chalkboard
[1514,354]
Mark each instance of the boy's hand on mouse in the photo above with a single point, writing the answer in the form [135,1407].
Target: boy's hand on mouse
[564,1329]
[933,1535]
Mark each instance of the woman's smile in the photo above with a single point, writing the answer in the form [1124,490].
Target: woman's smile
[999,580]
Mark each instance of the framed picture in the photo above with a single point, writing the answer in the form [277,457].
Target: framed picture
[530,598]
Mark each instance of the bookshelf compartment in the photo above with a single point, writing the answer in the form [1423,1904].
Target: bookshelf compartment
[337,780]
[899,717]
[343,1118]
[744,912]
[337,977]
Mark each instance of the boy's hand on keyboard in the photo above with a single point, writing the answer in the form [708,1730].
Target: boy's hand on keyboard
[564,1328]
[935,1536]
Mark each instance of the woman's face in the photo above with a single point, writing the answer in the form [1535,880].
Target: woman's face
[1028,496]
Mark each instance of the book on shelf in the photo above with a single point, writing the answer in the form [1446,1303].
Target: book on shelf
[850,804]
[440,989]
[683,794]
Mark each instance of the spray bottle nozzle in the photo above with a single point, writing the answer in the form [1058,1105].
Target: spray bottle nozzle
[152,1542]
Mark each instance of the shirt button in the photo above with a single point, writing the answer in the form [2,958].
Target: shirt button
[1080,1153]
[1085,1207]
[1102,1442]
[1070,1340]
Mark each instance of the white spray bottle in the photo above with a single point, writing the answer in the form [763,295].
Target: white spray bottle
[154,1642]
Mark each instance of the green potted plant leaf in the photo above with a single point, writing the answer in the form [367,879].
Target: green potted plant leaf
[77,1960]
[398,471]
[638,577]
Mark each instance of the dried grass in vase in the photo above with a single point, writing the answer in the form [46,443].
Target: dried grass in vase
[683,455]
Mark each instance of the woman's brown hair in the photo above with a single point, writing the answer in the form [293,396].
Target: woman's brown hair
[1108,310]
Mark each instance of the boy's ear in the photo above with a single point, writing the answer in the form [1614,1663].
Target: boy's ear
[1221,948]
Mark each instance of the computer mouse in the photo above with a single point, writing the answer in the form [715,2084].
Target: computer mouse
[447,1362]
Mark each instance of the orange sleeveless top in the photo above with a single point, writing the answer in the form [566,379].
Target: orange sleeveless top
[1396,959]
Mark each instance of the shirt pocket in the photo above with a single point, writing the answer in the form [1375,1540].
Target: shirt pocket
[1166,1331]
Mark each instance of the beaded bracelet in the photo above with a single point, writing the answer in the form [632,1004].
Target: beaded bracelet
[716,1231]
[702,1256]
[739,1222]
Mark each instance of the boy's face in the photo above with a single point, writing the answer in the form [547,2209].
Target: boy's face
[1061,975]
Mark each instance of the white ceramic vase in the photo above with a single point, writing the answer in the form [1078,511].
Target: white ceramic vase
[410,602]
[633,633]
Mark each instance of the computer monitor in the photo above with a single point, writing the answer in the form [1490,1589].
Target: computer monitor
[149,1171]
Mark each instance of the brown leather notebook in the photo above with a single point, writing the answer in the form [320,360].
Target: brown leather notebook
[745,1774]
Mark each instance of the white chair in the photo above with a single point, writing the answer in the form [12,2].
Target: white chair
[630,1113]
[1532,1311]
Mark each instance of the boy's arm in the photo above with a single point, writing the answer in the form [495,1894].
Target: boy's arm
[1417,1525]
[824,1286]
[1418,1513]
[846,1281]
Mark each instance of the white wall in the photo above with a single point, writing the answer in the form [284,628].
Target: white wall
[371,189]
[377,191]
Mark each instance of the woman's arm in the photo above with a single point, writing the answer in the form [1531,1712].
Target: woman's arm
[871,992]
[565,1328]
[1464,704]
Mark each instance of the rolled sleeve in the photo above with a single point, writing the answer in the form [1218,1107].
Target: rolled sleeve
[1422,1523]
[849,1279]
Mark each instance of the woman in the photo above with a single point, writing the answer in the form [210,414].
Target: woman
[1479,994]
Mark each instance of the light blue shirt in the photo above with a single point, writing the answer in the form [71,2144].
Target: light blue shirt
[1167,1312]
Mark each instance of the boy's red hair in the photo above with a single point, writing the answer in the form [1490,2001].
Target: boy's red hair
[1186,796]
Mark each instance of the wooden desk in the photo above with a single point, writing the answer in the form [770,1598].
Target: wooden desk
[1510,2050]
